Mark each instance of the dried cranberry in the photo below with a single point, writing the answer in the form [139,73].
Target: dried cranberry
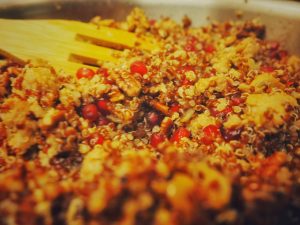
[156,139]
[208,48]
[103,72]
[153,118]
[85,73]
[174,108]
[138,67]
[90,112]
[179,134]
[103,106]
[211,132]
[100,140]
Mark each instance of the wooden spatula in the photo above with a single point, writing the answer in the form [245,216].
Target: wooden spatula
[65,44]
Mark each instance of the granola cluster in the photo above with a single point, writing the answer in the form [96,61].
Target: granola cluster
[203,130]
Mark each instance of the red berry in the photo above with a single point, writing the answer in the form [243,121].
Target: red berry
[208,48]
[85,73]
[138,67]
[152,118]
[103,106]
[210,133]
[180,133]
[103,72]
[100,140]
[156,139]
[174,108]
[90,112]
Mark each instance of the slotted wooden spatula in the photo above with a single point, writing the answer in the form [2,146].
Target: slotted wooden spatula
[65,44]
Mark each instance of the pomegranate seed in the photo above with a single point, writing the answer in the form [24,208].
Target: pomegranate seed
[85,73]
[179,134]
[138,67]
[152,118]
[103,72]
[103,106]
[90,112]
[209,48]
[174,108]
[211,132]
[100,140]
[156,139]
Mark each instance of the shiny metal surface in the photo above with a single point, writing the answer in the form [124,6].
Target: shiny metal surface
[282,18]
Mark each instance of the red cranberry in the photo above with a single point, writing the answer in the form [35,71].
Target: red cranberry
[174,108]
[211,132]
[100,140]
[85,73]
[138,67]
[156,139]
[103,106]
[90,112]
[179,134]
[103,72]
[208,48]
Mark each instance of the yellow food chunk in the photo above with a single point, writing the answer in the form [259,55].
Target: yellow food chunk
[265,80]
[219,81]
[233,121]
[264,109]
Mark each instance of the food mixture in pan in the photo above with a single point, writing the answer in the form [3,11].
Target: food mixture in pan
[204,130]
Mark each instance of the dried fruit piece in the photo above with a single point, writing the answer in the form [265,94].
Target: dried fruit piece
[211,132]
[180,133]
[90,112]
[138,67]
[156,139]
[85,73]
